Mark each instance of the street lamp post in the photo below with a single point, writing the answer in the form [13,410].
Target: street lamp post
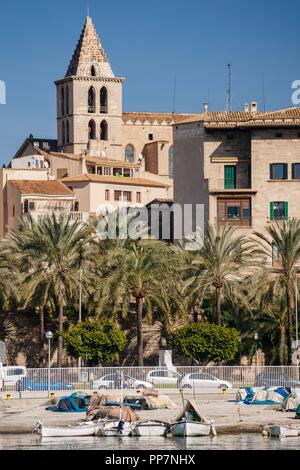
[256,339]
[49,336]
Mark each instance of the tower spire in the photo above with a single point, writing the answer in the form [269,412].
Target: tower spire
[89,53]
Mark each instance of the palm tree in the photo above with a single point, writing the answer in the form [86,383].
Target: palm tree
[224,260]
[282,245]
[50,252]
[8,286]
[139,272]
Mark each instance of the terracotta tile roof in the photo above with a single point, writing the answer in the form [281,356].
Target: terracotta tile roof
[289,117]
[114,180]
[151,117]
[47,188]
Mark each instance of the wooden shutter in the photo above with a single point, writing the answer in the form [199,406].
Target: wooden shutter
[272,210]
[286,210]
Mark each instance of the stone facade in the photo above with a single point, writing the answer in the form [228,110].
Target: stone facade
[208,149]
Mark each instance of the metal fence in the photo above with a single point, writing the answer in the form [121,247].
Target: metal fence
[212,378]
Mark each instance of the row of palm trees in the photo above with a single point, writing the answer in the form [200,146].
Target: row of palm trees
[229,280]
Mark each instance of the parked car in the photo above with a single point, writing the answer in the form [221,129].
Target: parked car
[271,379]
[205,381]
[11,375]
[164,377]
[114,381]
[38,385]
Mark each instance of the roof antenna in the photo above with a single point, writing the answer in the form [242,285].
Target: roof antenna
[229,89]
[174,95]
[264,92]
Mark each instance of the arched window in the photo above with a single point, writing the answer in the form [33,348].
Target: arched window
[62,101]
[171,161]
[103,100]
[92,130]
[68,132]
[67,100]
[92,100]
[63,133]
[103,131]
[129,153]
[93,71]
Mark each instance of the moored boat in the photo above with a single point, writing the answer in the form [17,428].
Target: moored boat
[116,428]
[276,430]
[190,423]
[150,428]
[82,429]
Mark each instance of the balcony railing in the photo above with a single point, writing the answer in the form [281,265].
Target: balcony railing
[103,109]
[234,222]
[220,184]
[92,109]
[74,216]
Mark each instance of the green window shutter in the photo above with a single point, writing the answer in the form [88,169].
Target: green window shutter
[229,177]
[272,210]
[286,210]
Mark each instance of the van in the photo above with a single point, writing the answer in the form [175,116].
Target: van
[11,375]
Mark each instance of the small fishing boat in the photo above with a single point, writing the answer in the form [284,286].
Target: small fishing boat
[82,429]
[116,428]
[282,431]
[190,423]
[150,428]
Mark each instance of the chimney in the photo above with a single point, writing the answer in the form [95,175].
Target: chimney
[246,108]
[206,107]
[82,164]
[254,107]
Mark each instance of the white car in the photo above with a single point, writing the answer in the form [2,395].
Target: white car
[204,381]
[11,375]
[163,377]
[113,381]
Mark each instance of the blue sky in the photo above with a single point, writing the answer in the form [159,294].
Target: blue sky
[147,43]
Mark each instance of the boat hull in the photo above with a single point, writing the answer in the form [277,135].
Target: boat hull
[189,429]
[283,431]
[150,428]
[71,431]
[111,430]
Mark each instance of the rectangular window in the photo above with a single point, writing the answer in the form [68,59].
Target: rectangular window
[127,196]
[139,198]
[117,171]
[107,171]
[13,211]
[31,206]
[99,170]
[229,176]
[296,171]
[151,136]
[118,195]
[107,194]
[279,210]
[278,171]
[234,211]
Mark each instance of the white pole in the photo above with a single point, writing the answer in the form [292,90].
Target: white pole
[80,295]
[49,365]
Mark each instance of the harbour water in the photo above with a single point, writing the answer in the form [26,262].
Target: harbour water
[223,442]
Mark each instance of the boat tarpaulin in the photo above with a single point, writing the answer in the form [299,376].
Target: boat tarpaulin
[193,409]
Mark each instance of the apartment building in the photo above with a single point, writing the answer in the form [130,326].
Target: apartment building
[244,167]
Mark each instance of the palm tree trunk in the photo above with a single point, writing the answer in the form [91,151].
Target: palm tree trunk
[60,330]
[140,339]
[290,322]
[42,334]
[218,305]
[282,346]
[195,315]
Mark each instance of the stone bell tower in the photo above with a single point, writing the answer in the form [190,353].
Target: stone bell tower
[89,101]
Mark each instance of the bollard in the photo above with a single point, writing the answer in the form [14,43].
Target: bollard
[52,396]
[8,397]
